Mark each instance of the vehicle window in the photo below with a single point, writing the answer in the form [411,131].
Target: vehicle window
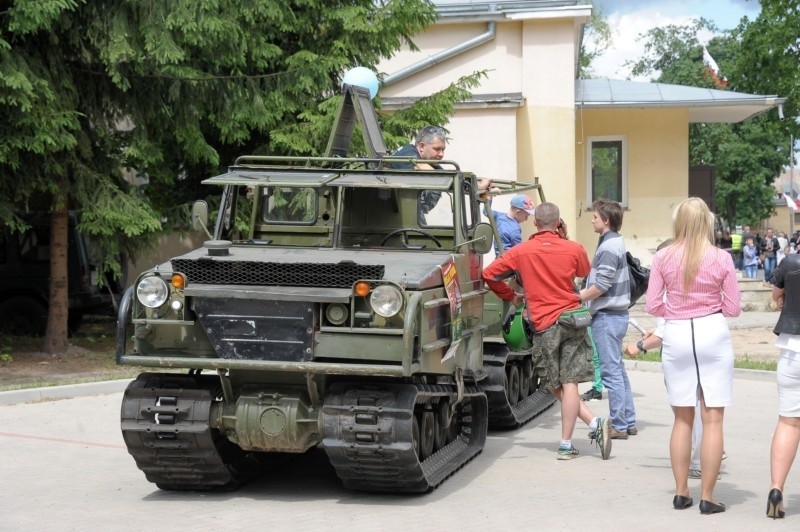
[436,209]
[34,244]
[288,205]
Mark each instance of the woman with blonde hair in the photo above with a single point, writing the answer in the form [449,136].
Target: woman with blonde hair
[693,287]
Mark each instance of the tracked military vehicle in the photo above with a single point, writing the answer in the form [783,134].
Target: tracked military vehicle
[326,308]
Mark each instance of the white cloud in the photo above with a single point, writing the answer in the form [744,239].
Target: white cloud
[626,45]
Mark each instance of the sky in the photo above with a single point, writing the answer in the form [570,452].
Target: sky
[629,18]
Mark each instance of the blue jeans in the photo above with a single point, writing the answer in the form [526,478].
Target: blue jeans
[608,331]
[751,271]
[769,267]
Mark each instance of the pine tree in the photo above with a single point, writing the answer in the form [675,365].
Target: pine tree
[169,91]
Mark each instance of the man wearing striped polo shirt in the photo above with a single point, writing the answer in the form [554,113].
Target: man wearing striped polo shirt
[608,294]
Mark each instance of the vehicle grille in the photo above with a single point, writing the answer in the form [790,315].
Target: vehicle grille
[326,275]
[258,330]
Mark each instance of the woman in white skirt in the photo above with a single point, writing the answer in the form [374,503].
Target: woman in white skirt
[693,287]
[786,293]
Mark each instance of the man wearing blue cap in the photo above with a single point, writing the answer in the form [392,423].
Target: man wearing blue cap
[508,223]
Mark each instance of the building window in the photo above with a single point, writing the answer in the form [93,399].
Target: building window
[607,169]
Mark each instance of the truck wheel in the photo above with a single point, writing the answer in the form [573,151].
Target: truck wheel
[512,383]
[22,316]
[441,413]
[427,427]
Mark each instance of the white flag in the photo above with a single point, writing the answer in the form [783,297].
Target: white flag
[709,61]
[789,201]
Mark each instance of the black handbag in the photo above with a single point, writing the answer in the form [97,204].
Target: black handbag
[639,277]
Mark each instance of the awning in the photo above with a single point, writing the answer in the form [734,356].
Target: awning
[705,105]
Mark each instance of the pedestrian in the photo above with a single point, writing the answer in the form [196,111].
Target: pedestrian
[595,393]
[608,294]
[693,286]
[769,247]
[750,261]
[509,224]
[795,238]
[547,265]
[652,340]
[783,241]
[747,233]
[736,249]
[786,294]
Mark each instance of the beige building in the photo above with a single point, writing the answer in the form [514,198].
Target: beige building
[532,117]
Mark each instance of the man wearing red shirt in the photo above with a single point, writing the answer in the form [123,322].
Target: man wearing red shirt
[547,265]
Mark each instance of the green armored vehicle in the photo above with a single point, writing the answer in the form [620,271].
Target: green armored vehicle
[343,315]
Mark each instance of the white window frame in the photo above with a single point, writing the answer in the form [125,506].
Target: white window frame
[623,157]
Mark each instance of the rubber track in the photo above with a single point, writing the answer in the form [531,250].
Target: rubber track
[178,450]
[367,433]
[501,413]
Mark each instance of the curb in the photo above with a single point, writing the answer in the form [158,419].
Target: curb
[67,391]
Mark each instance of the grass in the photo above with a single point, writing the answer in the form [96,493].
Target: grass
[127,373]
[744,362]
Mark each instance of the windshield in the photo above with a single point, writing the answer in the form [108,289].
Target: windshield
[350,203]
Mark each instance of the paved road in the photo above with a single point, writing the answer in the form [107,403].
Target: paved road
[64,467]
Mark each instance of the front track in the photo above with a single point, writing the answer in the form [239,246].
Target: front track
[397,437]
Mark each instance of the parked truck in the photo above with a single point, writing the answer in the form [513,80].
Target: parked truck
[25,277]
[325,309]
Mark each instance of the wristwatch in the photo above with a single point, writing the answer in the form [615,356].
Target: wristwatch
[640,346]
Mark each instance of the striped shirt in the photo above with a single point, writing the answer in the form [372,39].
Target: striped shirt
[610,275]
[713,289]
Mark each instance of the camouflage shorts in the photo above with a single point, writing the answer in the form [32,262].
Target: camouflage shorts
[562,354]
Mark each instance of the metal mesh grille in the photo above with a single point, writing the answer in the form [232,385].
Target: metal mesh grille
[332,275]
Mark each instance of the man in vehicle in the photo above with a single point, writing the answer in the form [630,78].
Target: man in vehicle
[429,143]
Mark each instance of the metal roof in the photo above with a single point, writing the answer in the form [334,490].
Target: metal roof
[508,9]
[705,105]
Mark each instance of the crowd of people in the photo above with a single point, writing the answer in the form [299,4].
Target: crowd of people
[577,334]
[752,250]
[693,288]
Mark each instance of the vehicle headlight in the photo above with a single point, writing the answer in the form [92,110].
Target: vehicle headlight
[386,300]
[152,291]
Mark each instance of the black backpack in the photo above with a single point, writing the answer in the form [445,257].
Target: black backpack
[639,277]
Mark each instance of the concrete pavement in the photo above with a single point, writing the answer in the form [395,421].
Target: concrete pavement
[75,446]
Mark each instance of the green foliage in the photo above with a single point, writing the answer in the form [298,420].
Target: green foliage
[399,127]
[747,155]
[769,56]
[167,92]
[5,356]
[596,40]
[675,54]
[309,136]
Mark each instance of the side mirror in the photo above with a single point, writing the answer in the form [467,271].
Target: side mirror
[482,238]
[200,216]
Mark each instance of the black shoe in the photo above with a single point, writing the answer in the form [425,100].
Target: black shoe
[708,507]
[775,504]
[679,502]
[592,395]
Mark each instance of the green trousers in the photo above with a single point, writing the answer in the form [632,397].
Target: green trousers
[597,383]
